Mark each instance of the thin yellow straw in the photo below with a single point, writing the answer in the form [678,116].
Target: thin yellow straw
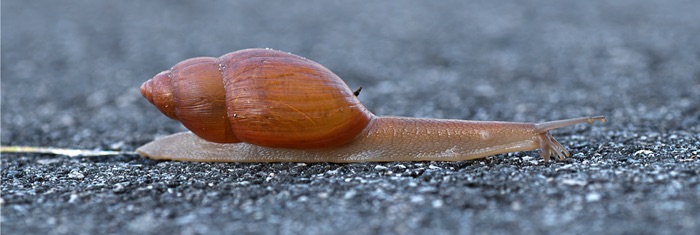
[61,151]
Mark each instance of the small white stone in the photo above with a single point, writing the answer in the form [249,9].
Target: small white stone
[75,175]
[437,203]
[593,197]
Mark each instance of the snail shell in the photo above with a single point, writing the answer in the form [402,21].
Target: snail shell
[259,96]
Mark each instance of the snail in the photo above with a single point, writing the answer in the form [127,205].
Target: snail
[264,105]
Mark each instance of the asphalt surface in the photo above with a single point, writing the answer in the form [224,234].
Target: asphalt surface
[71,72]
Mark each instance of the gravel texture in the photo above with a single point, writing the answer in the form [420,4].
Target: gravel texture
[71,72]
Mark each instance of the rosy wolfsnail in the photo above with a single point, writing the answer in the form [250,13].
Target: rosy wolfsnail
[262,105]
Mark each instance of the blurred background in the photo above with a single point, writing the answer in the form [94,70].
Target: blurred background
[71,72]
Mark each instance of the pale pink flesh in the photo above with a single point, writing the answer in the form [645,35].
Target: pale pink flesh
[385,139]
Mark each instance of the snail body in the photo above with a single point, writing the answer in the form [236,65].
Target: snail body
[262,105]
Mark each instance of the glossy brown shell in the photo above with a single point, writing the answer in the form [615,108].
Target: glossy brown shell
[259,96]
